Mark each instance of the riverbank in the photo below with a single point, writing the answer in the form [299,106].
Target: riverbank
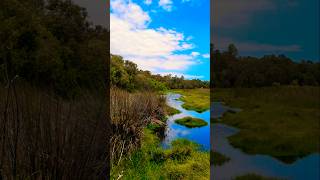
[183,161]
[282,121]
[194,99]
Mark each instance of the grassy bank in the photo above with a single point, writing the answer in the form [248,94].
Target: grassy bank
[279,121]
[195,99]
[138,120]
[170,111]
[218,159]
[191,122]
[182,161]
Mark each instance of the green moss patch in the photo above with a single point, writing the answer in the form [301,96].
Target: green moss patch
[170,111]
[191,122]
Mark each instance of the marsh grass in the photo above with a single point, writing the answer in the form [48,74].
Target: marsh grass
[130,114]
[280,121]
[182,161]
[195,99]
[191,122]
[170,111]
[43,136]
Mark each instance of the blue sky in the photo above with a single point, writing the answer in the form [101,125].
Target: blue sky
[163,36]
[289,27]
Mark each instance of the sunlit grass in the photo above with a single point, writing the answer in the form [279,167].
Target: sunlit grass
[183,160]
[195,99]
[170,111]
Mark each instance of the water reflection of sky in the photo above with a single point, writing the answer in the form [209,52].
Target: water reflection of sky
[241,163]
[199,135]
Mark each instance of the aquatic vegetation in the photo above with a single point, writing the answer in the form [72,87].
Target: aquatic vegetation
[170,111]
[191,122]
[281,121]
[218,159]
[195,99]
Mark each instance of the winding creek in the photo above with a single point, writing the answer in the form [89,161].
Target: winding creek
[242,163]
[199,135]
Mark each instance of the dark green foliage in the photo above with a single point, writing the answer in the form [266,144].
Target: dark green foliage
[52,45]
[126,75]
[230,70]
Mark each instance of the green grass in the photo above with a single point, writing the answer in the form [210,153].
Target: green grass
[170,111]
[218,159]
[182,161]
[254,177]
[195,99]
[279,121]
[191,122]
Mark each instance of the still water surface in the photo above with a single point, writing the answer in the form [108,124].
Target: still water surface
[200,135]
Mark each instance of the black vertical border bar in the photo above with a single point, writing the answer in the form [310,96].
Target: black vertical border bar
[211,83]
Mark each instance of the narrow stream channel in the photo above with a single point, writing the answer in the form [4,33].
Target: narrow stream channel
[200,135]
[241,163]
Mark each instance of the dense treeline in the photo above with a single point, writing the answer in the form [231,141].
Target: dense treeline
[53,100]
[50,43]
[126,75]
[231,70]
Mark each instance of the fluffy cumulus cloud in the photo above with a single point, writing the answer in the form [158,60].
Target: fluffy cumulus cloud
[154,49]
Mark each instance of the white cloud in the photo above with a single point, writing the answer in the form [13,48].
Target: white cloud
[165,4]
[131,12]
[206,55]
[195,54]
[147,2]
[154,49]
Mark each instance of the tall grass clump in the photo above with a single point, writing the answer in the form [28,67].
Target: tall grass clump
[130,114]
[43,136]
